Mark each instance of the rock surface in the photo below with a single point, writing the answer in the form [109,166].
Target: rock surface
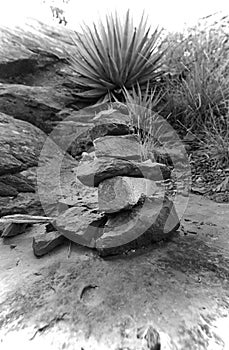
[45,243]
[152,221]
[76,132]
[110,122]
[123,147]
[20,145]
[91,173]
[34,104]
[80,225]
[122,192]
[13,229]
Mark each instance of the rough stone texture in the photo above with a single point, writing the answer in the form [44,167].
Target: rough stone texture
[13,229]
[31,49]
[123,147]
[11,185]
[80,225]
[23,203]
[152,221]
[20,145]
[34,104]
[92,172]
[45,243]
[122,192]
[73,136]
[110,122]
[76,132]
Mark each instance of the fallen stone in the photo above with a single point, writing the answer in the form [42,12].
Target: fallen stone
[23,218]
[92,172]
[80,225]
[122,192]
[123,147]
[110,122]
[12,229]
[45,243]
[150,222]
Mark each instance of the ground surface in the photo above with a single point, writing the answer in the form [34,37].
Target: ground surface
[72,299]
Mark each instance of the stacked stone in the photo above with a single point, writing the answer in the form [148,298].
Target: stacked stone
[133,210]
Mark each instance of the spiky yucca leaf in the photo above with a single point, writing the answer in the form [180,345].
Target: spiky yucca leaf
[114,56]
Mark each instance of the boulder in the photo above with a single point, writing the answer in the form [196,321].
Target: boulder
[80,225]
[45,243]
[34,104]
[123,147]
[92,172]
[20,145]
[122,192]
[149,222]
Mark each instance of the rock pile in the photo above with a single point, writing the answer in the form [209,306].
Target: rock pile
[132,210]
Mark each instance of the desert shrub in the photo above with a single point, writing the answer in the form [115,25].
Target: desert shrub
[116,55]
[197,82]
[143,107]
[215,143]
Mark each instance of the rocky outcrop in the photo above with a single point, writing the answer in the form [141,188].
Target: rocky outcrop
[36,105]
[30,50]
[20,145]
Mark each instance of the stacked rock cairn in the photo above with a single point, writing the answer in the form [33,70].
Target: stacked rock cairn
[132,210]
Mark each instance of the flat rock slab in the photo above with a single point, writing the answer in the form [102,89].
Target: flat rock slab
[80,225]
[45,243]
[92,172]
[123,147]
[122,192]
[152,221]
[110,122]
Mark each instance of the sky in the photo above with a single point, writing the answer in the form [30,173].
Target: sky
[170,14]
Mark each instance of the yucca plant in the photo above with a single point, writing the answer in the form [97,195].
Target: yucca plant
[115,55]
